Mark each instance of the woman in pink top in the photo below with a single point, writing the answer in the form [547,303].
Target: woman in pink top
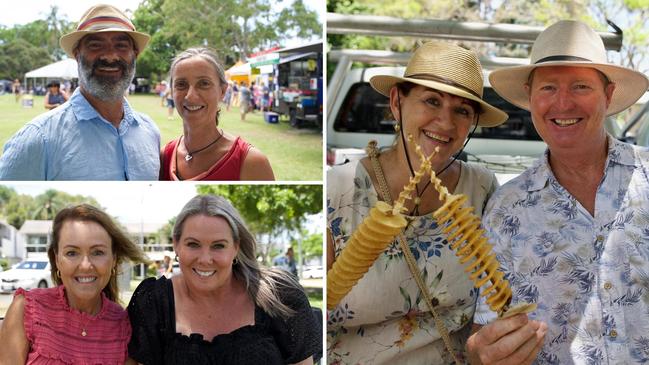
[78,322]
[205,151]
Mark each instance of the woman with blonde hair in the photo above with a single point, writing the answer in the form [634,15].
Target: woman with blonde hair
[223,308]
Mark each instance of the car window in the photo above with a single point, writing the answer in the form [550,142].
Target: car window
[33,265]
[518,126]
[366,111]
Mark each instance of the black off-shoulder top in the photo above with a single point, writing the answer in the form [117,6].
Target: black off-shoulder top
[270,341]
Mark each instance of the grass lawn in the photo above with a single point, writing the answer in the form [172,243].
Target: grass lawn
[295,154]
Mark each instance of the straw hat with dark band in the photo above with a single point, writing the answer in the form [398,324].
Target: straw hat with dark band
[570,43]
[102,18]
[448,68]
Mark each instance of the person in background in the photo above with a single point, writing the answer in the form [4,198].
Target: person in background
[286,262]
[162,92]
[54,96]
[265,98]
[570,232]
[245,100]
[254,97]
[166,267]
[235,94]
[95,135]
[227,99]
[79,321]
[223,308]
[168,95]
[15,88]
[205,151]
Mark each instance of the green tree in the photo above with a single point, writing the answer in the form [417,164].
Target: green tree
[235,28]
[271,211]
[156,57]
[19,56]
[167,229]
[56,27]
[48,204]
[311,244]
[19,207]
[631,15]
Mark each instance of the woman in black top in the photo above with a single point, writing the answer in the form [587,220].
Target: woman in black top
[223,308]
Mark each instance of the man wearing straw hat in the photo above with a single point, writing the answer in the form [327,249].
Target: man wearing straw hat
[95,135]
[571,231]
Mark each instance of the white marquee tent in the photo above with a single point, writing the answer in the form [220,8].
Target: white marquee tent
[64,69]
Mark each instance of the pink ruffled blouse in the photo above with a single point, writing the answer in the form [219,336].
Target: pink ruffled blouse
[54,330]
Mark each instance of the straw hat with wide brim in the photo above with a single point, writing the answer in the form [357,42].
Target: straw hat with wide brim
[448,68]
[102,18]
[570,43]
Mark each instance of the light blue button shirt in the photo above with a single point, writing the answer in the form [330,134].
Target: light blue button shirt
[589,275]
[74,142]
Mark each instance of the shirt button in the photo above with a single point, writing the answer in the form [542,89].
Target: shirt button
[613,333]
[608,285]
[600,238]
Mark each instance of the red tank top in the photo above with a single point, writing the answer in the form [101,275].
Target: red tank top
[227,168]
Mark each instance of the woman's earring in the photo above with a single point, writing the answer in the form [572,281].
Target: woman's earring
[397,127]
[177,259]
[235,261]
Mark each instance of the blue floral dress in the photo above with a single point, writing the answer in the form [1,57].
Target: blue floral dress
[588,275]
[384,319]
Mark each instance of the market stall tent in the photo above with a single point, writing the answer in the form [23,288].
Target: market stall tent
[62,70]
[240,72]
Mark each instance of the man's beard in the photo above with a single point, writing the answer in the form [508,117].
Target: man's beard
[105,87]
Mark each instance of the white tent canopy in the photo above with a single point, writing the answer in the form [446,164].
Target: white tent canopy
[64,69]
[243,69]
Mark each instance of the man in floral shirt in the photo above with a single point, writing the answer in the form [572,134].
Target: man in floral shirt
[571,232]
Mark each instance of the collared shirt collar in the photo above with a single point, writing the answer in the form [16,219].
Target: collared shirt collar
[83,110]
[618,153]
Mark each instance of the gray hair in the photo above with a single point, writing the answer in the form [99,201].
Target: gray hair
[262,284]
[204,53]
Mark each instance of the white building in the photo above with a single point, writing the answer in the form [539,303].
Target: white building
[8,241]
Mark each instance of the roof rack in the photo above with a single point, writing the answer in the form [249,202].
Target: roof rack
[448,29]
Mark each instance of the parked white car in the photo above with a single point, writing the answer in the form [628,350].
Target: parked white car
[312,272]
[28,274]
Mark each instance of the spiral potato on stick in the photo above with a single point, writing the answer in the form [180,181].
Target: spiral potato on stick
[467,239]
[370,238]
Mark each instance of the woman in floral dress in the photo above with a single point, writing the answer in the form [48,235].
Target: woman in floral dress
[384,319]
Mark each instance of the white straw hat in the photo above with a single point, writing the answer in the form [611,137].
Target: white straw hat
[570,43]
[102,18]
[448,68]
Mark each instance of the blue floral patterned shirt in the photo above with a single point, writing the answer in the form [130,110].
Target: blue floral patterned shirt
[588,274]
